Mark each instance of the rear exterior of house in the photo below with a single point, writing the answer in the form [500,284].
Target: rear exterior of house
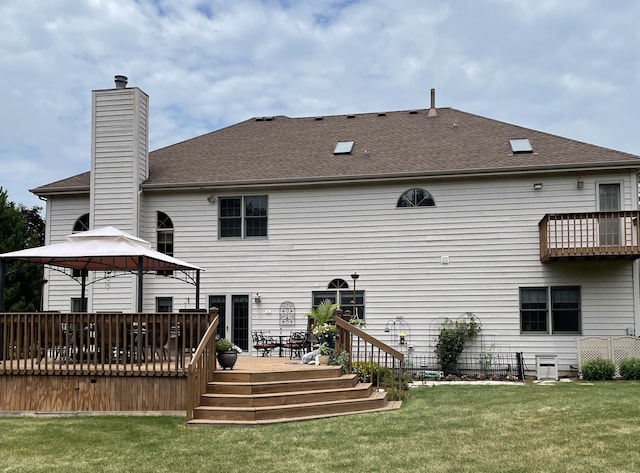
[437,211]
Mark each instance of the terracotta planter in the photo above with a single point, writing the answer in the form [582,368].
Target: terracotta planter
[226,359]
[323,359]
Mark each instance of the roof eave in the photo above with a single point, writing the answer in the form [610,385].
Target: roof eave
[372,178]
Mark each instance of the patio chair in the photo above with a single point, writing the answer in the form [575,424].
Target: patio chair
[311,342]
[112,342]
[263,343]
[190,332]
[295,344]
[157,339]
[51,338]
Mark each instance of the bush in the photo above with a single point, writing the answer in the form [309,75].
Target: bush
[598,370]
[453,337]
[630,368]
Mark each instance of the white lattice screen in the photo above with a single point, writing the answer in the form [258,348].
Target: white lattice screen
[612,348]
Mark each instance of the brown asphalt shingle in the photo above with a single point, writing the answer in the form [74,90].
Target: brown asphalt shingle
[393,144]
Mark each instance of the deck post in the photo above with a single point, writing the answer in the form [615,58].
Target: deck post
[140,275]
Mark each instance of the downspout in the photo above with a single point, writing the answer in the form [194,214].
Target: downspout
[635,265]
[140,273]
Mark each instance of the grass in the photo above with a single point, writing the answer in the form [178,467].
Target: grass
[566,427]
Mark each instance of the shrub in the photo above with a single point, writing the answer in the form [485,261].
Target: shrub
[630,368]
[598,370]
[452,339]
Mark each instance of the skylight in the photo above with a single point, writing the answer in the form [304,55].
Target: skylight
[343,147]
[521,145]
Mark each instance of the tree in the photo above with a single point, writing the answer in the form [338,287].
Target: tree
[21,228]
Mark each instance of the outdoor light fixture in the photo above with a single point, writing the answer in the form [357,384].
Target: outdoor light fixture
[537,186]
[257,298]
[580,183]
[402,338]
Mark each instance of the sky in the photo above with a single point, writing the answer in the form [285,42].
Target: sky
[571,68]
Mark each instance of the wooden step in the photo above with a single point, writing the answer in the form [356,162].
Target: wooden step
[278,386]
[269,391]
[303,372]
[376,401]
[212,422]
[361,390]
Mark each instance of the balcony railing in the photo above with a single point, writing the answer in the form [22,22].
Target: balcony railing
[110,344]
[590,235]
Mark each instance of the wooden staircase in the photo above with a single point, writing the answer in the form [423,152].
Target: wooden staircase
[282,392]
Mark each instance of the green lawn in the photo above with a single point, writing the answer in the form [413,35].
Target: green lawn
[566,427]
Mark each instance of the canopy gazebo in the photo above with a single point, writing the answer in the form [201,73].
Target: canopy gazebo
[104,249]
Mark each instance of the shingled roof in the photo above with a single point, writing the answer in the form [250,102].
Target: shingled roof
[387,145]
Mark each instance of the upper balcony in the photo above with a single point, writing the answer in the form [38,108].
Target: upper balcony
[589,235]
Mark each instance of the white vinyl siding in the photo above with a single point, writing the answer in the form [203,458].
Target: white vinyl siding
[119,157]
[488,229]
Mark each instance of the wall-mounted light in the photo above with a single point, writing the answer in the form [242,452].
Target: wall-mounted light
[580,183]
[537,186]
[211,199]
[257,298]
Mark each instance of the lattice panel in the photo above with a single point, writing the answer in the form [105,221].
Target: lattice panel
[592,348]
[625,347]
[611,348]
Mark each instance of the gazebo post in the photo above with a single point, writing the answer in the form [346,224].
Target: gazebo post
[83,291]
[197,289]
[140,274]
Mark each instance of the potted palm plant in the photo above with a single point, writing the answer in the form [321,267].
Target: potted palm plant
[323,317]
[227,353]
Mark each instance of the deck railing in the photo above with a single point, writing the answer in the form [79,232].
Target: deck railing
[589,235]
[201,367]
[113,344]
[373,360]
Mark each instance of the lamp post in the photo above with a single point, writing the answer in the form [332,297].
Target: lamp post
[355,277]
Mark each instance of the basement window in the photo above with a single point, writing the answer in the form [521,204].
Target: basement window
[521,146]
[343,147]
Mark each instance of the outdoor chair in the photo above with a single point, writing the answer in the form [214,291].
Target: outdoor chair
[295,344]
[263,343]
[311,342]
[111,340]
[190,332]
[51,338]
[157,339]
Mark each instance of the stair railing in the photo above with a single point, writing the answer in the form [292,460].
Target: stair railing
[372,359]
[202,365]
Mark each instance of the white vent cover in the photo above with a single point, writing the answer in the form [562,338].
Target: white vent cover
[547,367]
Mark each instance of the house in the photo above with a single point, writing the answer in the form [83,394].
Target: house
[434,211]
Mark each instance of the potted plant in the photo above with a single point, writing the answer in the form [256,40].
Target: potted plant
[325,354]
[227,353]
[323,318]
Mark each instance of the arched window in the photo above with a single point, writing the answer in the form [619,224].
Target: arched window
[416,197]
[82,224]
[164,237]
[337,284]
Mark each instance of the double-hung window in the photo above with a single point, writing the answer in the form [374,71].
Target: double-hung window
[555,309]
[243,217]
